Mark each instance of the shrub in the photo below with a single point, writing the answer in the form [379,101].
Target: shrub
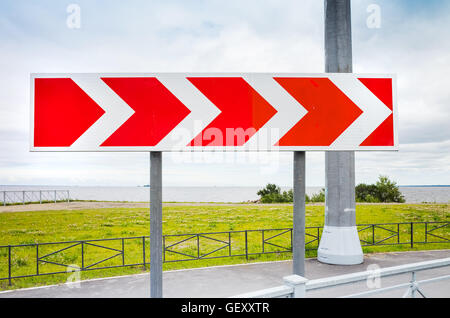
[384,190]
[269,189]
[366,193]
[307,198]
[318,197]
[388,190]
[272,198]
[288,196]
[272,194]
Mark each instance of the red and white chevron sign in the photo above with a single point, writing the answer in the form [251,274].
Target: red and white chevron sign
[200,112]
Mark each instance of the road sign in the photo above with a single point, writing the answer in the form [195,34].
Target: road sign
[202,112]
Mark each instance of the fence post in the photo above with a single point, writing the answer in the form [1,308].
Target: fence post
[229,243]
[37,259]
[40,197]
[246,246]
[68,196]
[426,232]
[412,235]
[292,239]
[164,248]
[23,197]
[298,284]
[9,265]
[198,247]
[373,234]
[263,240]
[4,198]
[123,252]
[82,255]
[143,251]
[55,196]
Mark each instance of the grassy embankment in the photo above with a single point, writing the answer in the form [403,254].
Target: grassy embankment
[51,226]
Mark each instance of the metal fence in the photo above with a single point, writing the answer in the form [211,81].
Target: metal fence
[34,196]
[35,259]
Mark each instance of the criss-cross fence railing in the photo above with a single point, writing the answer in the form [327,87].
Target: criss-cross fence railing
[33,196]
[35,259]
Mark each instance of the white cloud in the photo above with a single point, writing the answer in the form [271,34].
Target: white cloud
[221,36]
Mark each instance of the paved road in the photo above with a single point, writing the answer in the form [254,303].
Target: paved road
[225,281]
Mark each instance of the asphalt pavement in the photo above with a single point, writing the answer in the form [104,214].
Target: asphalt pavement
[226,281]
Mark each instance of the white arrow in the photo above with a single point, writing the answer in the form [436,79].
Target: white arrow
[203,112]
[374,111]
[289,111]
[116,110]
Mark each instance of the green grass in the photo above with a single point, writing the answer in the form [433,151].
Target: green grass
[67,225]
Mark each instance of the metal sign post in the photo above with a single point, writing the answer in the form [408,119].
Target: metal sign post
[298,232]
[156,247]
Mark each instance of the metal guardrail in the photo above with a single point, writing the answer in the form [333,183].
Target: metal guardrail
[36,259]
[297,286]
[33,196]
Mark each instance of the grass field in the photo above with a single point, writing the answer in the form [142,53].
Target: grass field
[52,226]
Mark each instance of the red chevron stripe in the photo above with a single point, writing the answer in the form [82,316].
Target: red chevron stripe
[384,134]
[244,111]
[157,111]
[62,113]
[330,112]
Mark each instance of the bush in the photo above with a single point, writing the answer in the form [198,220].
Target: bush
[272,198]
[366,193]
[269,189]
[318,197]
[288,196]
[272,194]
[384,190]
[307,198]
[388,190]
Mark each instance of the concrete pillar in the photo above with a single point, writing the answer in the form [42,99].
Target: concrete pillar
[339,243]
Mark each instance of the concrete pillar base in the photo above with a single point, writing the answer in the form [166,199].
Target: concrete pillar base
[340,246]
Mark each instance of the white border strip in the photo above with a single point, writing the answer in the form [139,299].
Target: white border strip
[166,146]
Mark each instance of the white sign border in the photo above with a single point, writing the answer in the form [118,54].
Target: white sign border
[33,76]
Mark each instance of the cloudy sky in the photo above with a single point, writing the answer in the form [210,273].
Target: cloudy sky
[410,40]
